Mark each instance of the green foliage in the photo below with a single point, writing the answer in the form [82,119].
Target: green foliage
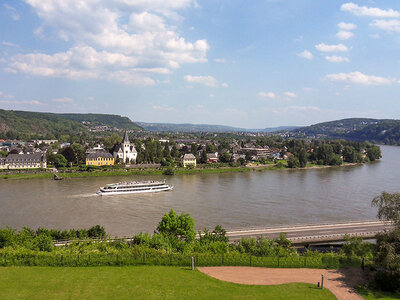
[293,162]
[387,250]
[60,161]
[388,207]
[169,171]
[374,153]
[388,282]
[355,246]
[179,226]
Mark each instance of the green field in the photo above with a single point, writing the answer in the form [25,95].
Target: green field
[142,282]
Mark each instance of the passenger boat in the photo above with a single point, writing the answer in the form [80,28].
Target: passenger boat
[134,187]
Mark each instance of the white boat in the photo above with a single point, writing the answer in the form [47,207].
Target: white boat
[134,187]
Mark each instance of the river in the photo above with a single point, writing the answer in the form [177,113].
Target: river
[233,200]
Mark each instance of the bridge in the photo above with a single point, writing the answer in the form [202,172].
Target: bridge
[315,233]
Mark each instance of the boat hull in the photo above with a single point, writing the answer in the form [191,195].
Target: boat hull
[112,193]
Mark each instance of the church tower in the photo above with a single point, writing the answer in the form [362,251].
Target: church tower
[126,147]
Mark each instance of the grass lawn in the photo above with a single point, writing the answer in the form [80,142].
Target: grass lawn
[141,282]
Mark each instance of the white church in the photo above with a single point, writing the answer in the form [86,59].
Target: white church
[125,152]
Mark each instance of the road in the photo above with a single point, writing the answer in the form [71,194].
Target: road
[315,233]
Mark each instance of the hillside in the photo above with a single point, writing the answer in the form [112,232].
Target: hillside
[187,127]
[382,131]
[23,124]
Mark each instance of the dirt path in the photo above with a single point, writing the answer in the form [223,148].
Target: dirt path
[339,282]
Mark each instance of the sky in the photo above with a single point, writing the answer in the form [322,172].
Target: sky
[251,64]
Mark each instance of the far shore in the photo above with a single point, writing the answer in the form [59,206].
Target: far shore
[159,171]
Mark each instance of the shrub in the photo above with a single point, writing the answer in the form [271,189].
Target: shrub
[388,282]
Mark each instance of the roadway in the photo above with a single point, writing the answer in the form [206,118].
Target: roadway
[315,233]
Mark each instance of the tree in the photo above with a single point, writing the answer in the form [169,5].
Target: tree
[293,162]
[225,157]
[177,226]
[79,153]
[203,157]
[388,207]
[302,158]
[60,161]
[387,250]
[374,152]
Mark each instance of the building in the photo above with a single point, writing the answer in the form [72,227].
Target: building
[189,160]
[99,159]
[24,161]
[212,157]
[125,152]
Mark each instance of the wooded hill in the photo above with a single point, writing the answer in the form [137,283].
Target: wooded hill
[383,131]
[25,124]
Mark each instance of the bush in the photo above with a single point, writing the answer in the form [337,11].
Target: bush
[169,171]
[388,282]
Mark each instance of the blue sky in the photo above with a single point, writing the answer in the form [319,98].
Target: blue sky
[253,64]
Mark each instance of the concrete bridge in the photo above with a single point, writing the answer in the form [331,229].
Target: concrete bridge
[315,233]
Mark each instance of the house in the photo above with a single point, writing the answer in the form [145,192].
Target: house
[189,160]
[23,161]
[212,157]
[125,151]
[99,159]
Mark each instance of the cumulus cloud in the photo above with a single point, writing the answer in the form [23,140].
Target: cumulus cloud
[359,78]
[388,26]
[347,26]
[290,94]
[129,41]
[336,59]
[267,95]
[344,35]
[369,11]
[305,54]
[331,48]
[205,80]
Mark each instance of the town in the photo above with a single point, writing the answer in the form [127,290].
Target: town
[157,150]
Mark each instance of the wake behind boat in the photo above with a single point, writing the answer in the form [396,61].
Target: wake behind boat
[134,187]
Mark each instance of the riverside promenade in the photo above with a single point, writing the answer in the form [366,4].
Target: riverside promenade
[315,233]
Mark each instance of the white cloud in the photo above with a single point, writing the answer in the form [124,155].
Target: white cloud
[344,35]
[307,89]
[4,95]
[164,108]
[211,96]
[347,26]
[205,80]
[359,78]
[225,85]
[129,41]
[336,59]
[24,102]
[331,48]
[220,60]
[290,94]
[305,108]
[9,44]
[388,26]
[91,98]
[63,100]
[369,11]
[14,14]
[267,95]
[305,54]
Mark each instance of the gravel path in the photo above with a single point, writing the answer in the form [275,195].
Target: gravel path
[339,282]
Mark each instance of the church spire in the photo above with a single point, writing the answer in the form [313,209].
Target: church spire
[126,138]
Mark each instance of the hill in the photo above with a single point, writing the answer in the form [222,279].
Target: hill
[24,124]
[384,131]
[187,127]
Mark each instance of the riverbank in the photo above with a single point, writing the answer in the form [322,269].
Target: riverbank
[160,171]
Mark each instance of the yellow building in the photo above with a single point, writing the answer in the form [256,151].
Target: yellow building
[189,160]
[99,159]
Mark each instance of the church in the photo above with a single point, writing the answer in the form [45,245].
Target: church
[125,152]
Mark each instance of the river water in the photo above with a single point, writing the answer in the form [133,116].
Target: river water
[233,200]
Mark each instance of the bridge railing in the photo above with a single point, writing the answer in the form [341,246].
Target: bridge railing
[176,259]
